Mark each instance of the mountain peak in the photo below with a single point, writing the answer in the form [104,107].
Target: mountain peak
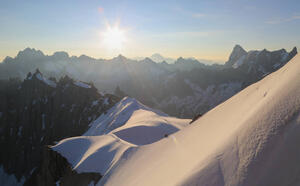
[156,55]
[29,53]
[61,55]
[148,60]
[236,53]
[160,58]
[294,51]
[238,47]
[37,71]
[120,56]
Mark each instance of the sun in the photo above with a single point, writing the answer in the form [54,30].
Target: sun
[114,37]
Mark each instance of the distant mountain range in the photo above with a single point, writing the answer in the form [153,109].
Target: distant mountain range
[183,88]
[48,98]
[159,59]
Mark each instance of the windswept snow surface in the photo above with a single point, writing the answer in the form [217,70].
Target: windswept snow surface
[135,123]
[92,153]
[251,139]
[127,125]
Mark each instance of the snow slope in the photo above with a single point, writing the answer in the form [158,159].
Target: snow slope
[127,125]
[251,139]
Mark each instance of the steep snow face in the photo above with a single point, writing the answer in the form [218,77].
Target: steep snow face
[251,139]
[125,127]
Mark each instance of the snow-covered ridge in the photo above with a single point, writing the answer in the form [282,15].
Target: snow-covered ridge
[251,139]
[82,84]
[126,126]
[45,80]
[40,77]
[135,123]
[117,116]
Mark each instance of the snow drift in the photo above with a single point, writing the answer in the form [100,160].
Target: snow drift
[251,139]
[128,124]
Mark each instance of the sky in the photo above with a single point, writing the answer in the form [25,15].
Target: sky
[203,29]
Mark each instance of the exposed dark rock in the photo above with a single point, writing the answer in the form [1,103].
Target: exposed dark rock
[180,89]
[236,54]
[54,168]
[39,111]
[196,117]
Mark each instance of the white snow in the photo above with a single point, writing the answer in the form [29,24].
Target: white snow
[81,84]
[127,125]
[95,103]
[131,116]
[57,183]
[239,62]
[106,102]
[45,80]
[92,153]
[251,139]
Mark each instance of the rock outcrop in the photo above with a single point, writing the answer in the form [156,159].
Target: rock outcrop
[55,169]
[39,111]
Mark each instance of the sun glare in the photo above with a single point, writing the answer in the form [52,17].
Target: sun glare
[114,37]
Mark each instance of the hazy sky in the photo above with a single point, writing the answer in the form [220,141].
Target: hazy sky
[198,28]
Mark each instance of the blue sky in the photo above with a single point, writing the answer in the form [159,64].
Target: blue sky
[206,29]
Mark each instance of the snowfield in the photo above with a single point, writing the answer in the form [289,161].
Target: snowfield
[128,124]
[251,139]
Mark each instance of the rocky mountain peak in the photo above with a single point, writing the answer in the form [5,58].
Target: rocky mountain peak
[30,53]
[236,54]
[120,57]
[148,60]
[293,52]
[61,55]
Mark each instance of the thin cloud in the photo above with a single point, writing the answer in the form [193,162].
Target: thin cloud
[279,21]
